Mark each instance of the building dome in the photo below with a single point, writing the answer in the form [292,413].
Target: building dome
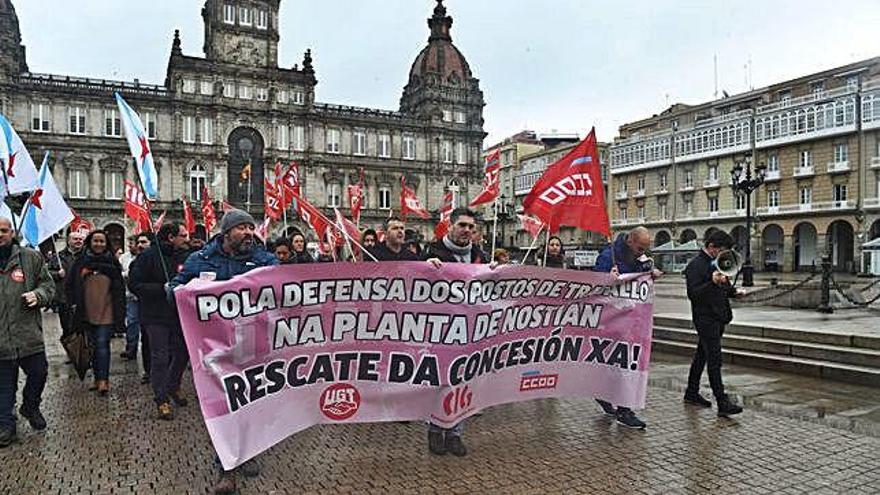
[440,62]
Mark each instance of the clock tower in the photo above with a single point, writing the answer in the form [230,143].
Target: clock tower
[242,32]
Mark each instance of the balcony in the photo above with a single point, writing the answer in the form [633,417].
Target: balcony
[686,187]
[640,193]
[623,222]
[771,175]
[838,167]
[875,162]
[711,183]
[661,191]
[872,203]
[621,195]
[807,207]
[803,171]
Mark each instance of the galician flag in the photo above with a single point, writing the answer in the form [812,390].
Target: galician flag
[140,148]
[45,212]
[19,172]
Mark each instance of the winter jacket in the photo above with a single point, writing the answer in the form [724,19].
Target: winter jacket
[212,259]
[21,328]
[107,265]
[147,277]
[438,250]
[626,261]
[66,258]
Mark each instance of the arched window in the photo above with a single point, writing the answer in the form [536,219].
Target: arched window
[198,180]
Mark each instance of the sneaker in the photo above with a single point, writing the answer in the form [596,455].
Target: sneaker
[627,418]
[455,446]
[436,443]
[250,468]
[165,411]
[103,387]
[226,485]
[607,408]
[178,398]
[696,400]
[727,408]
[35,418]
[7,437]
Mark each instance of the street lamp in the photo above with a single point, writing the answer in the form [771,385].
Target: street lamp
[743,183]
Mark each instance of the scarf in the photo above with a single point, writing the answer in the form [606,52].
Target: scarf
[5,254]
[461,253]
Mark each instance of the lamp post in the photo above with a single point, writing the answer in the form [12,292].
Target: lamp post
[743,183]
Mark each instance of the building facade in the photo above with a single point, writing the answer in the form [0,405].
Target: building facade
[235,105]
[818,139]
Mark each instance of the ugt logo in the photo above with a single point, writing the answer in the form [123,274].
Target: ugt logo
[340,401]
[458,400]
[573,185]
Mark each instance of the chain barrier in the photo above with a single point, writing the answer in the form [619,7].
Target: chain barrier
[784,292]
[851,300]
[869,286]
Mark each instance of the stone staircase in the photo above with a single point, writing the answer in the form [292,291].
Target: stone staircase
[819,354]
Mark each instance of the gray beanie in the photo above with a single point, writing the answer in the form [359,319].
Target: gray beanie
[234,218]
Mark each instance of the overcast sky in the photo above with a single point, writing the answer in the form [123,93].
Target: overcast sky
[547,65]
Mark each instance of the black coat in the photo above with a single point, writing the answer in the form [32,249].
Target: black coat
[710,302]
[147,281]
[74,289]
[381,252]
[439,250]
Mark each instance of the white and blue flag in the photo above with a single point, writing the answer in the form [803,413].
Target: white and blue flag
[45,212]
[19,173]
[140,148]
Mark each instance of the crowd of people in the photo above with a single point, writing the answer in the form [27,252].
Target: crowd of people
[99,294]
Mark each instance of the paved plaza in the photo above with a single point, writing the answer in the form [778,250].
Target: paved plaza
[115,445]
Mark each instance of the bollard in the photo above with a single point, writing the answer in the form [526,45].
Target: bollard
[825,295]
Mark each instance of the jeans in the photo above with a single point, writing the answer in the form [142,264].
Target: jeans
[455,431]
[168,359]
[36,368]
[145,350]
[100,336]
[132,327]
[707,355]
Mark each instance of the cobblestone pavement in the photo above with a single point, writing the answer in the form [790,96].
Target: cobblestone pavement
[114,445]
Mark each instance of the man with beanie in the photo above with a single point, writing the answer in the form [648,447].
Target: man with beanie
[454,247]
[230,253]
[147,277]
[25,286]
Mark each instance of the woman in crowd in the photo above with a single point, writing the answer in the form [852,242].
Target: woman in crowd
[95,285]
[281,250]
[555,254]
[299,253]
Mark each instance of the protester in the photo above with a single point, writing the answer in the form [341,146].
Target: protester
[709,291]
[501,256]
[626,255]
[555,255]
[59,270]
[96,287]
[281,249]
[393,247]
[147,279]
[25,287]
[369,238]
[414,247]
[300,254]
[232,252]
[454,247]
[137,245]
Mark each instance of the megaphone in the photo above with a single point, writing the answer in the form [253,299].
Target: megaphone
[728,263]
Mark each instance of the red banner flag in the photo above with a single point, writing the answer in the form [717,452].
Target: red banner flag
[442,227]
[189,221]
[272,203]
[410,203]
[159,221]
[312,216]
[263,229]
[531,225]
[348,227]
[570,192]
[491,181]
[79,224]
[290,184]
[226,207]
[136,207]
[208,213]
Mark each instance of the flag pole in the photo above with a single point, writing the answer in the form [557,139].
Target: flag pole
[27,204]
[532,245]
[140,186]
[494,228]
[546,245]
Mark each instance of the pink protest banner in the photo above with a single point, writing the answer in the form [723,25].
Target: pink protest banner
[280,349]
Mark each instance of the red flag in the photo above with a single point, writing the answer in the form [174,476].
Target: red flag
[208,213]
[312,216]
[226,207]
[136,207]
[410,203]
[290,185]
[263,230]
[570,192]
[159,221]
[79,224]
[531,225]
[442,227]
[272,203]
[347,226]
[188,219]
[492,180]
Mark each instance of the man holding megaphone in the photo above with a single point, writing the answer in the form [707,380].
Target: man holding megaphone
[709,290]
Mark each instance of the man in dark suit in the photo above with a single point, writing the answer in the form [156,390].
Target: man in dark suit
[709,291]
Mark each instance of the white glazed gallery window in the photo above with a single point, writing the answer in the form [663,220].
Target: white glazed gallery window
[207,130]
[77,120]
[112,123]
[460,118]
[283,96]
[334,194]
[245,92]
[262,94]
[299,138]
[245,16]
[206,88]
[299,98]
[229,14]
[112,184]
[262,19]
[189,129]
[333,141]
[359,143]
[229,90]
[447,115]
[384,198]
[189,86]
[384,146]
[77,184]
[40,117]
[409,148]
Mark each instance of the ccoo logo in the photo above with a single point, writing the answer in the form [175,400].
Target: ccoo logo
[578,185]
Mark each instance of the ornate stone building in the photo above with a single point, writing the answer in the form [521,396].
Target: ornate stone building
[816,136]
[235,104]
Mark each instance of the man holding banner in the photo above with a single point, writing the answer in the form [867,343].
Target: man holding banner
[392,248]
[230,253]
